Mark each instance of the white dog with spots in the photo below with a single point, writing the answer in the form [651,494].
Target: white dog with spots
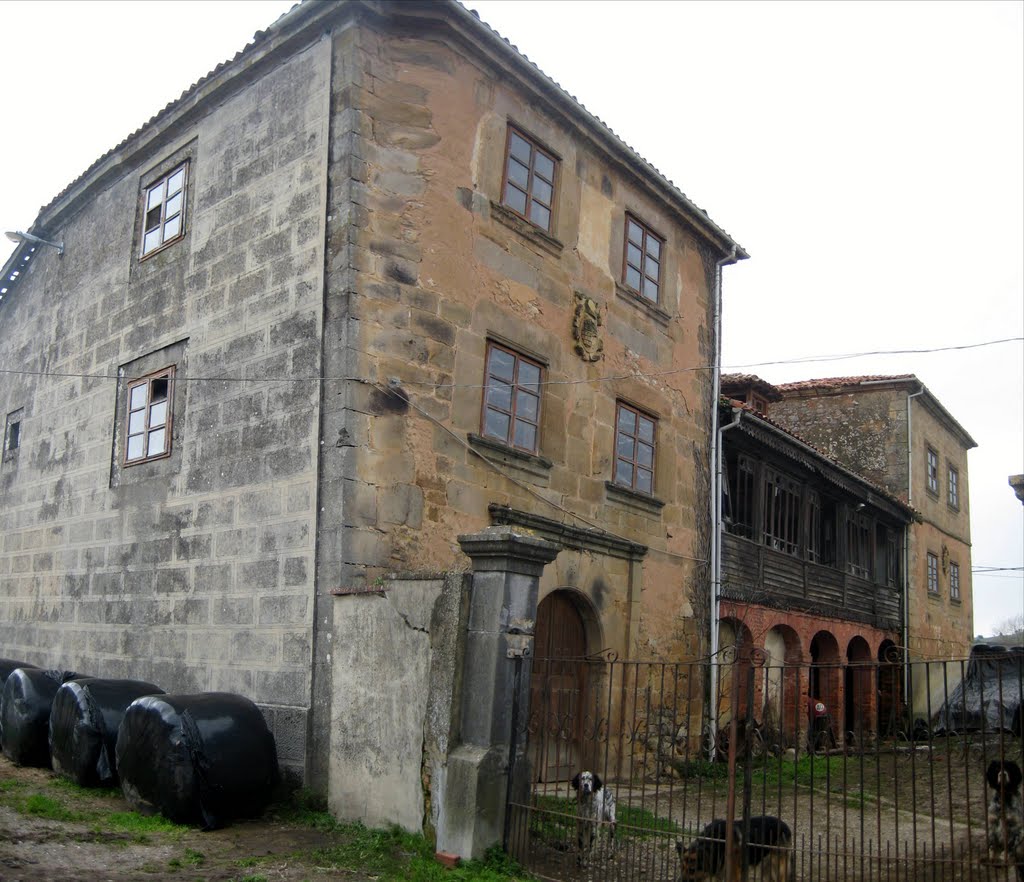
[595,810]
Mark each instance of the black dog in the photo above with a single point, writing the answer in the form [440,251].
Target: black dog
[1006,815]
[595,808]
[769,841]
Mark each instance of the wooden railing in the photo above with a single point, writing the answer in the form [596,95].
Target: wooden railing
[755,573]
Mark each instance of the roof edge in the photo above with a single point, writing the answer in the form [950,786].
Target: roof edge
[301,26]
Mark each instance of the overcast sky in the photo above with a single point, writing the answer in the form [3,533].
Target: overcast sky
[869,156]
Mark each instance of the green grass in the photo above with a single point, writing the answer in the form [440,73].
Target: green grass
[553,821]
[385,855]
[392,855]
[43,806]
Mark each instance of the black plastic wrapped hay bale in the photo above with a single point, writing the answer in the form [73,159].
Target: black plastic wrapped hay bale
[197,759]
[84,720]
[9,664]
[25,712]
[6,666]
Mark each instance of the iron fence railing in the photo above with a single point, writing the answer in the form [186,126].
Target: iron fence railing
[877,769]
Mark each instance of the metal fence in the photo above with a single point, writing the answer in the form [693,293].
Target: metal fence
[878,770]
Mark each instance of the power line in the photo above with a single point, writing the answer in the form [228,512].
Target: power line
[810,359]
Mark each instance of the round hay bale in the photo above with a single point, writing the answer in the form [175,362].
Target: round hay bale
[197,759]
[84,720]
[25,714]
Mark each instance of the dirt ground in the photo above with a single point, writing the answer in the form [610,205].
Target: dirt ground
[35,848]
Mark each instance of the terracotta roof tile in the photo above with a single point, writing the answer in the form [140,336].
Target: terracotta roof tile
[840,382]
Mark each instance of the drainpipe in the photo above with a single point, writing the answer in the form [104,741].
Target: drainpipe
[716,485]
[907,680]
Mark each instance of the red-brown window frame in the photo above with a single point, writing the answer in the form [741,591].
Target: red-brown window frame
[181,213]
[954,580]
[516,387]
[535,147]
[931,473]
[634,462]
[646,233]
[932,572]
[147,380]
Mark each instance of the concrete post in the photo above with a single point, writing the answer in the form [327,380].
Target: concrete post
[503,609]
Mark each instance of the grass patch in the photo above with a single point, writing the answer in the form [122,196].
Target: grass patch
[553,821]
[701,768]
[392,855]
[43,806]
[9,785]
[69,786]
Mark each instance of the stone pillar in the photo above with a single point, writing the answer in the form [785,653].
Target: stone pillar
[503,608]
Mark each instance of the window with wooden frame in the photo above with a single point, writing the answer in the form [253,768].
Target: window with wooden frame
[933,573]
[164,210]
[782,509]
[511,401]
[954,581]
[641,260]
[858,546]
[742,478]
[932,471]
[148,430]
[530,178]
[814,531]
[634,448]
[954,488]
[892,572]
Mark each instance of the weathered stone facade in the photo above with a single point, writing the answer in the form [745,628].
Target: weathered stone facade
[345,263]
[886,428]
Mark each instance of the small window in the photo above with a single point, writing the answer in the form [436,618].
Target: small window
[12,434]
[933,573]
[954,488]
[530,178]
[932,472]
[511,406]
[641,260]
[954,581]
[148,429]
[634,449]
[164,210]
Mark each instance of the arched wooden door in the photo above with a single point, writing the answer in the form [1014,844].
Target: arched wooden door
[557,689]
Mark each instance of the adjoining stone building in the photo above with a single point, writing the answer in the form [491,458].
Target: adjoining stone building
[896,433]
[812,574]
[373,284]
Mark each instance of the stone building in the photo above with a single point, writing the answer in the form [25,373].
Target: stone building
[812,573]
[896,433]
[375,283]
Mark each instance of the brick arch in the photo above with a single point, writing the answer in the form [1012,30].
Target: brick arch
[825,682]
[733,633]
[890,691]
[859,704]
[781,710]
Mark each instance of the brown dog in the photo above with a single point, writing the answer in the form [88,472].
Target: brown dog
[769,841]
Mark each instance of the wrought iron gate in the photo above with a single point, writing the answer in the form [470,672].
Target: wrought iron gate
[869,788]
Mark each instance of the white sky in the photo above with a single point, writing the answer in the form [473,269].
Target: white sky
[869,156]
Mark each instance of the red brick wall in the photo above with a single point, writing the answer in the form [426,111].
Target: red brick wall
[846,663]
